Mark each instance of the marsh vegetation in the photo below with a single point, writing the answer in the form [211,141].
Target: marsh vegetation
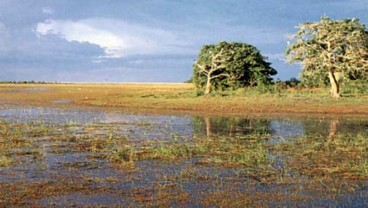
[98,157]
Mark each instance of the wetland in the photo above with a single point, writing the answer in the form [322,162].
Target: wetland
[59,151]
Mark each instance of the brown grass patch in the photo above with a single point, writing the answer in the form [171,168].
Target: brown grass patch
[179,98]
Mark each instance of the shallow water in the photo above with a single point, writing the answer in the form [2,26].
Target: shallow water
[156,127]
[37,89]
[93,180]
[61,102]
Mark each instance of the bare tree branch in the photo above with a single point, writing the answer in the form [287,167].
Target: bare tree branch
[203,69]
[220,75]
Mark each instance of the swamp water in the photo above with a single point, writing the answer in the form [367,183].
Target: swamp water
[87,157]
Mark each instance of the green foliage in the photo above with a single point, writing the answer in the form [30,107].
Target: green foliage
[231,66]
[355,87]
[315,80]
[338,47]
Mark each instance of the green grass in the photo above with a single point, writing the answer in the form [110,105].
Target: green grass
[217,151]
[123,155]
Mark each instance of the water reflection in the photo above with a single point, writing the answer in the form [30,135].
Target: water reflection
[335,126]
[279,129]
[234,126]
[143,127]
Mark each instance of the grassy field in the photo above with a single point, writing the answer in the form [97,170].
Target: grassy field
[182,98]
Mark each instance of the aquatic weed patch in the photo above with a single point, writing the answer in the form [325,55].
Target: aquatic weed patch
[341,156]
[217,151]
[14,142]
[136,163]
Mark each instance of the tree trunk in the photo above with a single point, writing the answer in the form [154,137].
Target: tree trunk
[335,88]
[208,85]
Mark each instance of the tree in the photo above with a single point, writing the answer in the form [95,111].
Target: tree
[331,49]
[230,66]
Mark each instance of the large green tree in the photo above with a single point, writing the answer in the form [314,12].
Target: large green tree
[230,66]
[331,49]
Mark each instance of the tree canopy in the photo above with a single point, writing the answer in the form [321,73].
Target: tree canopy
[230,66]
[331,49]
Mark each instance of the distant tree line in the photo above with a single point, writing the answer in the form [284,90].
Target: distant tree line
[27,82]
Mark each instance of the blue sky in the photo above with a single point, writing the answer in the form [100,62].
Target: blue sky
[146,40]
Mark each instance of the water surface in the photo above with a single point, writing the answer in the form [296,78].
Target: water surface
[65,152]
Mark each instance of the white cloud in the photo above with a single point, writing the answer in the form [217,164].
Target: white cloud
[116,37]
[81,32]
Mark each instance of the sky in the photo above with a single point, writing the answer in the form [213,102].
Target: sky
[146,40]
